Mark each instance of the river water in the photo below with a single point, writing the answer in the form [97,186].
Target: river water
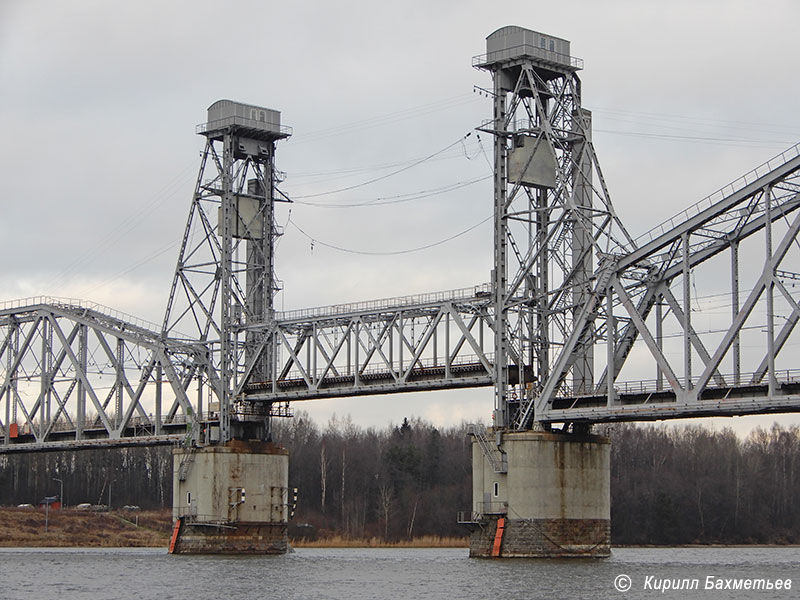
[355,573]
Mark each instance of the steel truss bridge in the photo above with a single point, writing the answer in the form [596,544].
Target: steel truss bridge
[581,323]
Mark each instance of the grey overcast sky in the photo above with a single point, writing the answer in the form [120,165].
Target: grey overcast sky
[99,101]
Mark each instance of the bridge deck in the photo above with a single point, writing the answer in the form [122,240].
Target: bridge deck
[634,401]
[639,401]
[418,379]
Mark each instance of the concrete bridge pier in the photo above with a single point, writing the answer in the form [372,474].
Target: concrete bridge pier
[230,499]
[540,494]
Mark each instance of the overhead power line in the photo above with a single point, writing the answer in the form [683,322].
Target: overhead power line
[694,138]
[387,175]
[388,253]
[382,201]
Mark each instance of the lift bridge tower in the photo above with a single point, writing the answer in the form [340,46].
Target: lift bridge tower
[553,218]
[553,222]
[573,294]
[230,483]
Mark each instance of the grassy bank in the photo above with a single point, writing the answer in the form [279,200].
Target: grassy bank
[26,528]
[427,541]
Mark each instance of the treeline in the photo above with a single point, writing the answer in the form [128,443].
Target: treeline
[404,481]
[693,485]
[669,485]
[127,476]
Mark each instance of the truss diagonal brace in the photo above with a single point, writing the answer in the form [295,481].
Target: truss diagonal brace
[767,275]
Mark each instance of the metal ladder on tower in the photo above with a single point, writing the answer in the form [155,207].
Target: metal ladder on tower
[497,458]
[186,463]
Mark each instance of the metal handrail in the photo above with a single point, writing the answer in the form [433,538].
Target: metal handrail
[469,517]
[720,194]
[74,303]
[476,291]
[244,122]
[549,56]
[649,386]
[493,508]
[496,457]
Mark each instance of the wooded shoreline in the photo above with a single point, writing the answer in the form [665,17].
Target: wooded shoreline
[670,485]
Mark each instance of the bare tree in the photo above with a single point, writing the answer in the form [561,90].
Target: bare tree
[410,530]
[385,499]
[323,476]
[344,504]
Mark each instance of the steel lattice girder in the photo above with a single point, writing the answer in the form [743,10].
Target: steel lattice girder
[629,285]
[411,346]
[74,375]
[548,310]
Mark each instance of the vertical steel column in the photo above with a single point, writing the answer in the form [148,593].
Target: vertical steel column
[159,383]
[261,282]
[15,381]
[12,348]
[83,366]
[199,406]
[7,391]
[687,312]
[500,264]
[659,343]
[435,342]
[582,256]
[770,291]
[349,334]
[401,343]
[118,384]
[46,362]
[447,357]
[314,373]
[275,344]
[737,356]
[611,339]
[356,353]
[543,321]
[227,360]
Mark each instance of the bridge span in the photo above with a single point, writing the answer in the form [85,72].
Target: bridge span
[580,323]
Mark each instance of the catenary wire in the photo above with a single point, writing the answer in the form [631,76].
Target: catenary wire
[387,175]
[388,253]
